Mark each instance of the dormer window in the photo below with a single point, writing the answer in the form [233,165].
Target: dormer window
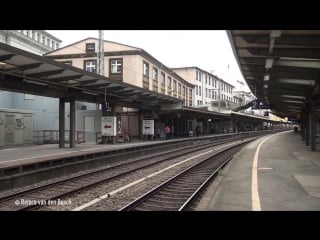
[90,47]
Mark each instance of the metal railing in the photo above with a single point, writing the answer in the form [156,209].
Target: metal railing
[123,136]
[52,136]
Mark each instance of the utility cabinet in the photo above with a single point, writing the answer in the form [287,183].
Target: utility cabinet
[16,127]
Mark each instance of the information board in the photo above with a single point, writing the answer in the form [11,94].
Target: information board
[148,127]
[109,126]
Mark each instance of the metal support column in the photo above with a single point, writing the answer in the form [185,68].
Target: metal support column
[113,113]
[61,122]
[104,109]
[303,126]
[219,95]
[104,114]
[72,123]
[307,117]
[313,126]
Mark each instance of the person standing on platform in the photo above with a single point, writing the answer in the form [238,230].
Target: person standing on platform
[198,131]
[167,131]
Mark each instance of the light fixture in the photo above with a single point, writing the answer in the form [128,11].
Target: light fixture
[296,107]
[297,81]
[72,82]
[266,77]
[91,93]
[293,96]
[269,62]
[265,85]
[275,33]
[292,101]
[300,59]
[298,63]
[35,82]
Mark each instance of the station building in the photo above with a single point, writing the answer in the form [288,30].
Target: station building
[208,87]
[131,65]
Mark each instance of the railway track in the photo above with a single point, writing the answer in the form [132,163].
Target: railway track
[177,193]
[53,192]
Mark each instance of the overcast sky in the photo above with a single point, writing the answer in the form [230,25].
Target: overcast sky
[209,50]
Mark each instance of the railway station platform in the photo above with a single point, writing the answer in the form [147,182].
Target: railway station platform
[23,166]
[22,154]
[275,173]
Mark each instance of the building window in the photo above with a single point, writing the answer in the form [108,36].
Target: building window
[57,45]
[90,65]
[90,47]
[146,69]
[162,78]
[48,42]
[179,88]
[43,40]
[155,74]
[169,82]
[174,85]
[116,66]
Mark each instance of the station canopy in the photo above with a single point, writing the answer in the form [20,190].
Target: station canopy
[281,67]
[25,72]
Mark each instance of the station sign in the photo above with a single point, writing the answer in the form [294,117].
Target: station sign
[148,127]
[256,104]
[292,119]
[109,126]
[263,106]
[259,105]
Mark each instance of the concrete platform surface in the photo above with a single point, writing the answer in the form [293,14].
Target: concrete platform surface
[284,175]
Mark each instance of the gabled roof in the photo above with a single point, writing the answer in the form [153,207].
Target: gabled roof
[95,39]
[127,49]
